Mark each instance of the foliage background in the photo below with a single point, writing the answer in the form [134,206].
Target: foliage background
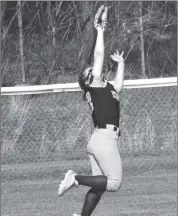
[58,38]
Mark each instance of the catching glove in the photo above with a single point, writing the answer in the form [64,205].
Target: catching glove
[100,19]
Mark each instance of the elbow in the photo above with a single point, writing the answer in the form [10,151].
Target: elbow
[119,83]
[98,58]
[99,54]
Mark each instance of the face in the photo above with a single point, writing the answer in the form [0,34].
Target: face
[85,78]
[87,74]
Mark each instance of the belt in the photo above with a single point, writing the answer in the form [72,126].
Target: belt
[108,126]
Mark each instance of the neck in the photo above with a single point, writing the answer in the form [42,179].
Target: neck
[99,83]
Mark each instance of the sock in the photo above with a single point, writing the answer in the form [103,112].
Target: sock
[97,183]
[91,200]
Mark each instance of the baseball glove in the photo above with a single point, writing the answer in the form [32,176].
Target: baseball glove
[100,19]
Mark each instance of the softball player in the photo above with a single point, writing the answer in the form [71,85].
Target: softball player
[103,100]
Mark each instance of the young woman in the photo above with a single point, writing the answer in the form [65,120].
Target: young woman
[103,100]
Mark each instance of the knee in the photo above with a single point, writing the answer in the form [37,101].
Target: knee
[98,193]
[113,185]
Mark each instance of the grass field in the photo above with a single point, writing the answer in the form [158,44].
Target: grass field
[149,188]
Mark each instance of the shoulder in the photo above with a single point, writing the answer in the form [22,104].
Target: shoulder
[97,79]
[115,93]
[110,86]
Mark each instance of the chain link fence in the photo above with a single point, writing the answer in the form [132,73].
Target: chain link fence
[55,128]
[57,68]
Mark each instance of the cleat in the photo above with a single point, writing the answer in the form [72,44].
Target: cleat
[68,182]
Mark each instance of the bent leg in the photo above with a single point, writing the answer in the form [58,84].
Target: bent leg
[107,156]
[106,163]
[98,181]
[91,200]
[111,166]
[93,196]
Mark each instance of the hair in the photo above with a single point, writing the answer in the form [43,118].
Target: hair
[81,80]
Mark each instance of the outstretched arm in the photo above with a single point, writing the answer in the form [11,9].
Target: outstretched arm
[100,25]
[119,79]
[98,53]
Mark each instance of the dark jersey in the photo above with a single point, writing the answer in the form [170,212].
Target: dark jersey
[105,105]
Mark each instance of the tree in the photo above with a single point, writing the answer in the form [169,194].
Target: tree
[142,50]
[21,48]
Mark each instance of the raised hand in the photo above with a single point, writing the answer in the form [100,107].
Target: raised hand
[118,57]
[100,20]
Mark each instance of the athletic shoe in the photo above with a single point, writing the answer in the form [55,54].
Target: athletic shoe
[68,182]
[76,215]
